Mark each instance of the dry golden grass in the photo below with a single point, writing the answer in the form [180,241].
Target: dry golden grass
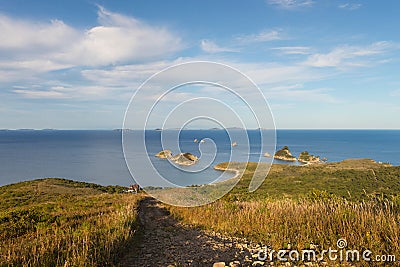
[68,230]
[366,225]
[357,200]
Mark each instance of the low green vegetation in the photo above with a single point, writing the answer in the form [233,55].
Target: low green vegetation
[58,222]
[358,200]
[307,157]
[353,180]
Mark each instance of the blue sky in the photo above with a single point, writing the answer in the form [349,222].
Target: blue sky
[320,64]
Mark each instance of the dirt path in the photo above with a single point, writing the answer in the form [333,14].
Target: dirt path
[166,242]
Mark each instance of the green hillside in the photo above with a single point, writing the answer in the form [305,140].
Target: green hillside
[355,200]
[58,222]
[350,179]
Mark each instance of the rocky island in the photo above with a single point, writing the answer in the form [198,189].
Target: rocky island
[268,155]
[284,154]
[164,154]
[185,159]
[307,158]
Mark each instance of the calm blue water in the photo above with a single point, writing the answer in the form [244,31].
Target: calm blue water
[96,156]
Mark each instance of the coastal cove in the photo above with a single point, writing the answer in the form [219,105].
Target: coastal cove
[96,156]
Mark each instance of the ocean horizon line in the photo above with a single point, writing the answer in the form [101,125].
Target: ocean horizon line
[199,129]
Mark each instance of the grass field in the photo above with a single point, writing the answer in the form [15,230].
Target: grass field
[57,222]
[357,200]
[353,180]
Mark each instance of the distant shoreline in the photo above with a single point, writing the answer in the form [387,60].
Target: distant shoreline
[96,155]
[251,129]
[235,171]
[351,163]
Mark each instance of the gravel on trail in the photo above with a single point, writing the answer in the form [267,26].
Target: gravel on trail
[165,242]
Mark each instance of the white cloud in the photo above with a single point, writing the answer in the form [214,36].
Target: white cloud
[27,36]
[264,36]
[266,76]
[120,82]
[131,75]
[58,90]
[281,106]
[348,56]
[395,93]
[350,6]
[293,50]
[291,4]
[211,47]
[121,39]
[117,39]
[41,94]
[261,73]
[33,65]
[297,92]
[270,74]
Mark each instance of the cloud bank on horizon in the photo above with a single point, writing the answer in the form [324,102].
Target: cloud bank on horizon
[320,65]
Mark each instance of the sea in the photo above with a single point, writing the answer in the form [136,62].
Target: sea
[97,155]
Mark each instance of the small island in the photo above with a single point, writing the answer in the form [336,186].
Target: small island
[307,158]
[284,154]
[185,159]
[122,130]
[164,154]
[268,155]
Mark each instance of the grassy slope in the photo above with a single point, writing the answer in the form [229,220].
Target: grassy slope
[60,222]
[358,200]
[48,189]
[57,222]
[350,179]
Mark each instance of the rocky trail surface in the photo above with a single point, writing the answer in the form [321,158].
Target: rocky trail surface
[166,242]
